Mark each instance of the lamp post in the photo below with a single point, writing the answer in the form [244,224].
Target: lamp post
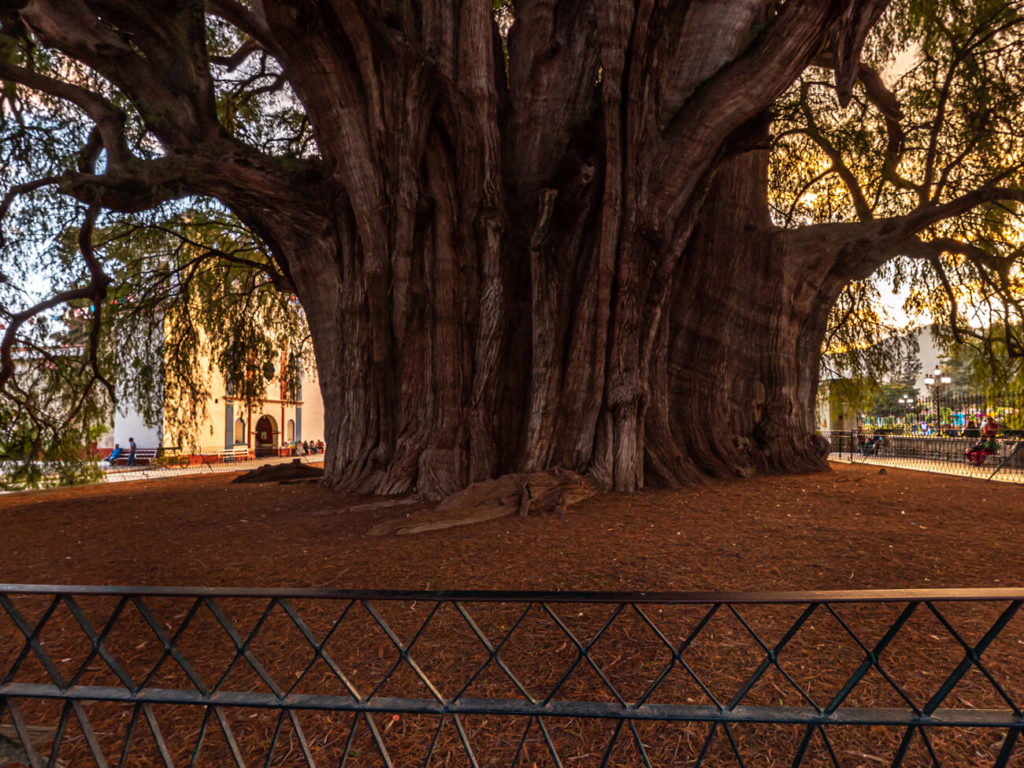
[906,402]
[936,382]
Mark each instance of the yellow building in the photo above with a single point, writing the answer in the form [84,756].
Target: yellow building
[226,423]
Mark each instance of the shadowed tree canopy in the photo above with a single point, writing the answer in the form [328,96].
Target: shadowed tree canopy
[604,236]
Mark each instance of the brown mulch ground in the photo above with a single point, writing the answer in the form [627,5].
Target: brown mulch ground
[852,528]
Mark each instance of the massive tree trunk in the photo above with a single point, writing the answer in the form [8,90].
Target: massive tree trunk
[546,250]
[735,368]
[517,283]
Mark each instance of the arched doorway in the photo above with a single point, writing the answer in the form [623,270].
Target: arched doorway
[267,436]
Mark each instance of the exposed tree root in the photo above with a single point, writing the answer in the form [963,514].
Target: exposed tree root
[372,506]
[269,473]
[519,493]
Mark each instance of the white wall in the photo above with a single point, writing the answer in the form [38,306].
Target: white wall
[928,354]
[130,423]
[312,409]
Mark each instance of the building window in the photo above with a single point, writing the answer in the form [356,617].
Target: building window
[240,432]
[290,431]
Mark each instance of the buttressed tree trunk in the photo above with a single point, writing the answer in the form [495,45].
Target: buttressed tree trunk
[568,267]
[516,252]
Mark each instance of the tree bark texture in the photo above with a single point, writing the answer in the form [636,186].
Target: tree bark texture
[519,283]
[546,251]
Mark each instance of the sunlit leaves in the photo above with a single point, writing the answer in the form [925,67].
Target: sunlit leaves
[956,71]
[862,339]
[196,302]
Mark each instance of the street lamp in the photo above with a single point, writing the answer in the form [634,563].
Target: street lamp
[937,374]
[905,401]
[936,382]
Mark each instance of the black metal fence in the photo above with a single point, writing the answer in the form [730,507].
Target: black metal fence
[1002,459]
[219,677]
[938,412]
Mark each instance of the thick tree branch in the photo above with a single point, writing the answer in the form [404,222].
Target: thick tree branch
[866,245]
[885,101]
[860,203]
[251,21]
[155,54]
[109,119]
[846,40]
[745,87]
[930,214]
[134,186]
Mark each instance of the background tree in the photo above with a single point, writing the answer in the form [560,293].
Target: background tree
[944,128]
[974,369]
[539,234]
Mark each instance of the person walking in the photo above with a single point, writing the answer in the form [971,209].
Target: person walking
[132,447]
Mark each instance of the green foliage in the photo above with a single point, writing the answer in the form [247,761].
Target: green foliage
[48,418]
[192,296]
[981,366]
[255,103]
[955,71]
[195,301]
[864,346]
[887,398]
[191,286]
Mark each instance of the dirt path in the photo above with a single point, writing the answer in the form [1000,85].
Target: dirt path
[851,528]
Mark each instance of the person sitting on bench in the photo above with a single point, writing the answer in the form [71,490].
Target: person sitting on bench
[984,447]
[114,454]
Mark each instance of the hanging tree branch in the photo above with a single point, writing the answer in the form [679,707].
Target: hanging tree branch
[20,189]
[860,203]
[109,120]
[95,291]
[98,284]
[885,101]
[984,263]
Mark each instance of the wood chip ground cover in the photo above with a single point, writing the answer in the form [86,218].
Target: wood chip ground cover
[848,529]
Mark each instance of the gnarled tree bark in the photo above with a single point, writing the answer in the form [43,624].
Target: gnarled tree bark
[550,251]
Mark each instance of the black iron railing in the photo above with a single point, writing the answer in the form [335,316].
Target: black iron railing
[936,409]
[1002,459]
[173,676]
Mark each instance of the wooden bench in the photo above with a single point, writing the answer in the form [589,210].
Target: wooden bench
[142,455]
[235,453]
